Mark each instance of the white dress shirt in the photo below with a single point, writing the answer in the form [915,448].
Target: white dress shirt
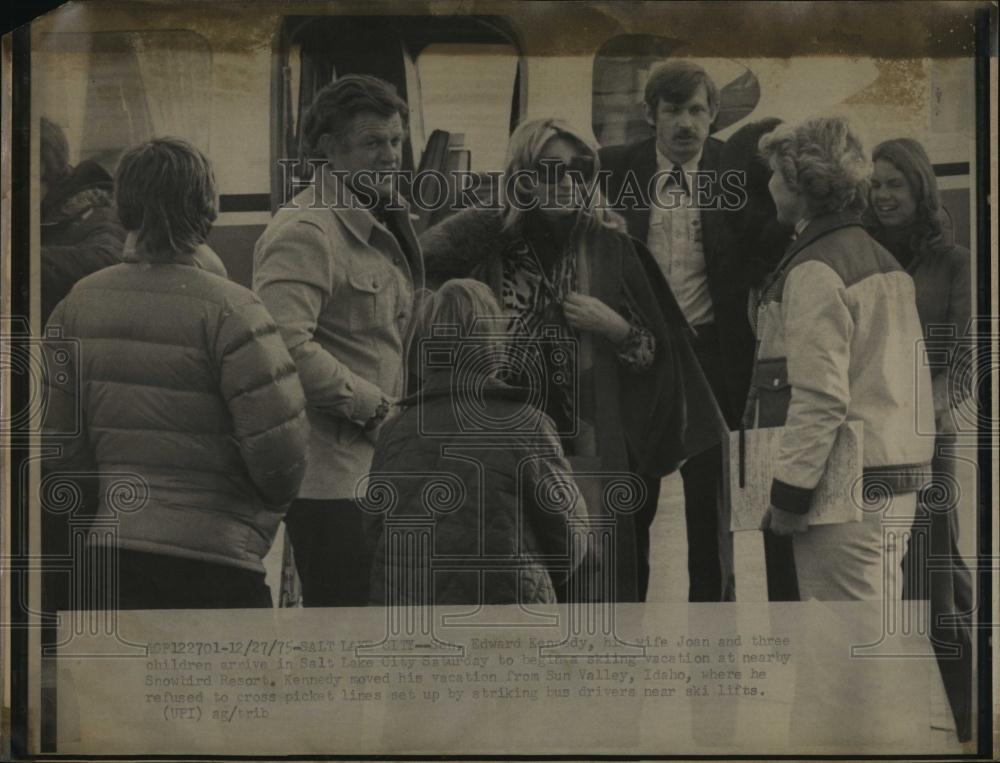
[675,239]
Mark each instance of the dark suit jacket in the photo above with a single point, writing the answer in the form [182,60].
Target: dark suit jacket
[729,293]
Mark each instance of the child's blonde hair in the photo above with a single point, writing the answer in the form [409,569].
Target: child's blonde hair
[462,311]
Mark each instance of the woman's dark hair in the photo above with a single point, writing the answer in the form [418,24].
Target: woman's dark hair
[165,191]
[752,232]
[909,157]
[335,105]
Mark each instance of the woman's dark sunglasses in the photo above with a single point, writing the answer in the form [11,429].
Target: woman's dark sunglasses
[552,171]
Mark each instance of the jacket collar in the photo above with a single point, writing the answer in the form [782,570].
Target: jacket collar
[134,252]
[645,159]
[643,162]
[346,205]
[819,227]
[666,164]
[179,259]
[815,230]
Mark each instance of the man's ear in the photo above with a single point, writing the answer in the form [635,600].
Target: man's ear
[649,114]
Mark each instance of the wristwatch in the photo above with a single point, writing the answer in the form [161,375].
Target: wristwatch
[381,411]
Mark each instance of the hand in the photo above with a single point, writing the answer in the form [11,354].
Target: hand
[373,433]
[586,313]
[782,522]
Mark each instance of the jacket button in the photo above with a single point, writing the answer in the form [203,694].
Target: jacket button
[775,382]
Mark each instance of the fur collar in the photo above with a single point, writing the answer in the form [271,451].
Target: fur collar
[458,245]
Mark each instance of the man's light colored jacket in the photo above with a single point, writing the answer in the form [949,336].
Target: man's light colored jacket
[840,339]
[340,288]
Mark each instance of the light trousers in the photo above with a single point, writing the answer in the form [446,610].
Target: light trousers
[857,560]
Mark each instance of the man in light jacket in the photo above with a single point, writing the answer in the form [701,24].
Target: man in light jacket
[337,267]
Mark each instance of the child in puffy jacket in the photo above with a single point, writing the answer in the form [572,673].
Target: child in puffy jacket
[195,424]
[471,467]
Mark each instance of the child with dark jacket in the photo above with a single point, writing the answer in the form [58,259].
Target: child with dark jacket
[472,461]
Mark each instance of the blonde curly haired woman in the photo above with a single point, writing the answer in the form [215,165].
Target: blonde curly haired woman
[839,339]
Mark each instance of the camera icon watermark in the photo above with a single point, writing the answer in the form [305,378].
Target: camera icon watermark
[918,623]
[538,367]
[47,368]
[77,570]
[962,365]
[418,562]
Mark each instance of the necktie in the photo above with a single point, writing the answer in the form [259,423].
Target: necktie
[678,178]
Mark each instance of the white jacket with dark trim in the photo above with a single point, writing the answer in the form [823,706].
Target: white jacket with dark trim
[839,339]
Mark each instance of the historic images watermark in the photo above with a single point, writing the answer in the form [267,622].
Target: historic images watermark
[434,191]
[80,506]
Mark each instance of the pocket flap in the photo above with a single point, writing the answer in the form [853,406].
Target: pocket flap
[771,374]
[371,280]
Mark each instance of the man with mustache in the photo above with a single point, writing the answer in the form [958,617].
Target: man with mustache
[337,268]
[668,192]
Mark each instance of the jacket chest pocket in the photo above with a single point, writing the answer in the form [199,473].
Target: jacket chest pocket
[373,294]
[773,392]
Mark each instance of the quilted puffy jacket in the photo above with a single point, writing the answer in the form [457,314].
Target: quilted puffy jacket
[189,407]
[491,499]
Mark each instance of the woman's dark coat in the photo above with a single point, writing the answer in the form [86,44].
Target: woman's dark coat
[661,416]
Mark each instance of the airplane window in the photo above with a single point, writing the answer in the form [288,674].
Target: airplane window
[469,89]
[109,91]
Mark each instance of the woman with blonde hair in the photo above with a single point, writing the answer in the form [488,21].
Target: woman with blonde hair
[838,340]
[592,327]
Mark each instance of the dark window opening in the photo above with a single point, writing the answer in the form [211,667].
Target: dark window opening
[433,62]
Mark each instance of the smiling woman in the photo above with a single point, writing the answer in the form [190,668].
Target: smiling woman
[892,197]
[905,215]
